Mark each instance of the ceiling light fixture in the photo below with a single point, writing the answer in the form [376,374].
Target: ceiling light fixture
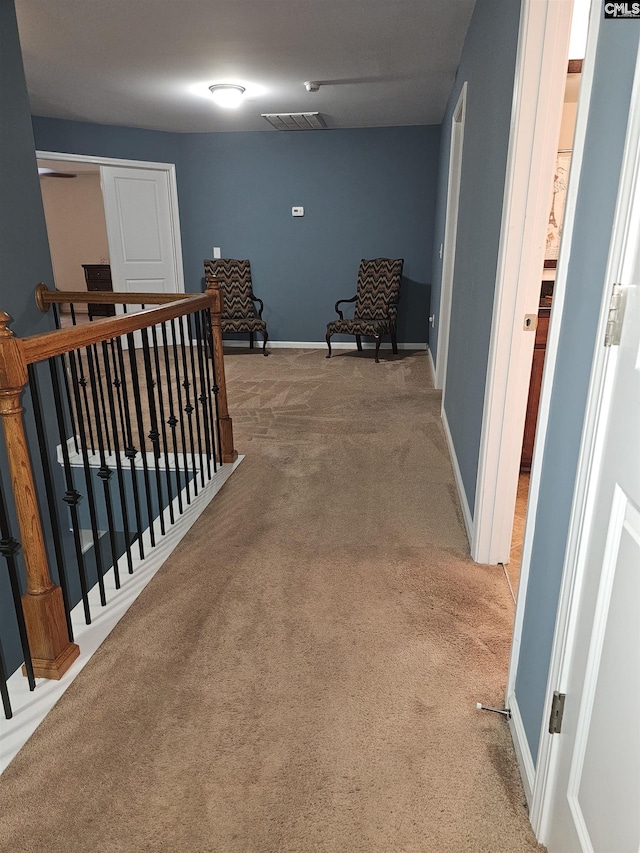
[227,94]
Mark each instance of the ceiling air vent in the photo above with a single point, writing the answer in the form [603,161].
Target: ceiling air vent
[295,121]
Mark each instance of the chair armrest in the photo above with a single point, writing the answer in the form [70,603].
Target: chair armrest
[340,301]
[255,299]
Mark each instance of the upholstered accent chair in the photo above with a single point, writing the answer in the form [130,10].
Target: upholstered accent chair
[238,309]
[377,296]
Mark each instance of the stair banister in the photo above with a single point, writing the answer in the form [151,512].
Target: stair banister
[52,651]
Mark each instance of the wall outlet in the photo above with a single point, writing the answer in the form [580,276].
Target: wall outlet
[297,211]
[216,252]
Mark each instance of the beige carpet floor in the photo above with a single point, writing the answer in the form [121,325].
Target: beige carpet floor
[301,675]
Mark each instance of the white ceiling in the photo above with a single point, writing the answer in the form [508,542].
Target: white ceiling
[148,63]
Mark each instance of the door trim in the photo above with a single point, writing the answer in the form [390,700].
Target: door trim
[541,67]
[450,238]
[138,164]
[590,455]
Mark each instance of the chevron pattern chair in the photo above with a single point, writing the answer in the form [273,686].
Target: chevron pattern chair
[238,309]
[377,296]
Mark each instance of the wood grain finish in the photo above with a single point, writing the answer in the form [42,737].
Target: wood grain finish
[213,291]
[51,650]
[40,347]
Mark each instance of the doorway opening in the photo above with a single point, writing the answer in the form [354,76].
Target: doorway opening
[77,230]
[450,236]
[112,224]
[548,274]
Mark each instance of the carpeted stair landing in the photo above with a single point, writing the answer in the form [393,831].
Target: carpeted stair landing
[302,673]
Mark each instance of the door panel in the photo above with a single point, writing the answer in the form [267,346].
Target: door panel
[139,213]
[594,802]
[605,772]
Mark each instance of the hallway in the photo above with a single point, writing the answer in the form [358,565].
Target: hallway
[302,673]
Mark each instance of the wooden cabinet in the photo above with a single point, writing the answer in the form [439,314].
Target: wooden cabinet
[535,384]
[98,277]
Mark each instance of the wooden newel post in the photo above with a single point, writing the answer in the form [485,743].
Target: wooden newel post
[229,453]
[52,652]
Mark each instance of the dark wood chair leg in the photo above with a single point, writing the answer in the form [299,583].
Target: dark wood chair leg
[359,342]
[377,348]
[251,336]
[394,344]
[328,338]
[264,344]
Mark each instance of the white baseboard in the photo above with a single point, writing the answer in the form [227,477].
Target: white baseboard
[464,503]
[523,753]
[30,708]
[320,345]
[432,364]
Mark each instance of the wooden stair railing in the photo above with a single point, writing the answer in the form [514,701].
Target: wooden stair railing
[52,652]
[45,298]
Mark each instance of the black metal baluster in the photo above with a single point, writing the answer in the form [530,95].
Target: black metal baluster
[214,386]
[4,691]
[72,311]
[71,497]
[203,397]
[188,407]
[70,405]
[106,351]
[153,435]
[89,483]
[56,315]
[54,519]
[104,472]
[163,425]
[172,420]
[9,547]
[183,434]
[117,384]
[81,381]
[130,450]
[194,380]
[136,393]
[204,348]
[105,420]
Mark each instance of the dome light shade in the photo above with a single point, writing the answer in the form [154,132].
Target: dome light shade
[227,94]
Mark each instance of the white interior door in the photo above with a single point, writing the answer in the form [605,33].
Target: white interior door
[144,242]
[450,234]
[594,801]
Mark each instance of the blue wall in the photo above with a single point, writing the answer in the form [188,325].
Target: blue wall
[607,123]
[24,247]
[366,193]
[488,66]
[24,255]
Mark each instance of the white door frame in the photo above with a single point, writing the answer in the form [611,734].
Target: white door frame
[541,68]
[591,449]
[450,237]
[531,772]
[138,164]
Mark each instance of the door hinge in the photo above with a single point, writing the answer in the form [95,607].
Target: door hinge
[557,710]
[613,330]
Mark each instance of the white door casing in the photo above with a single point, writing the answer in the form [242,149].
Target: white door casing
[450,235]
[541,67]
[533,768]
[590,797]
[169,229]
[138,208]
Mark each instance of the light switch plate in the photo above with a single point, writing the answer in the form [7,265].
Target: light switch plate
[216,252]
[297,211]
